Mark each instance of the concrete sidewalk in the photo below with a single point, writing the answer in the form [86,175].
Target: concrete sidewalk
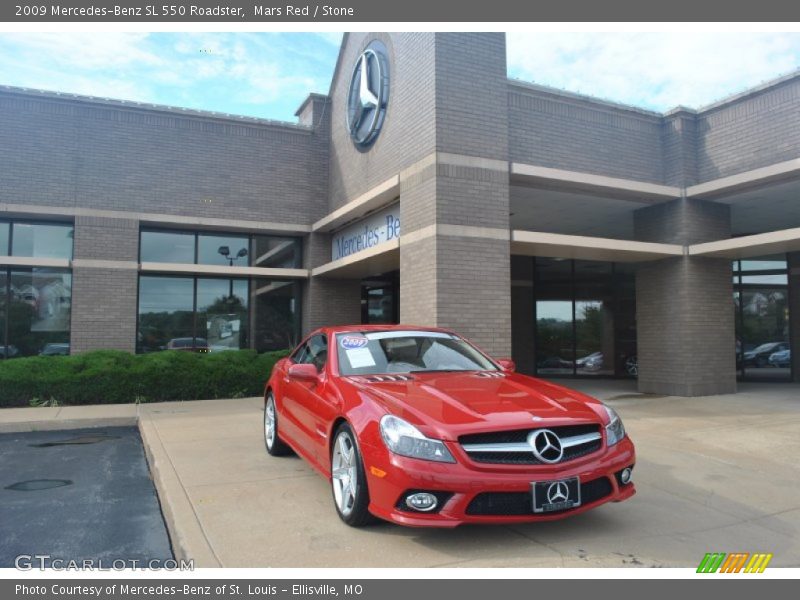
[714,474]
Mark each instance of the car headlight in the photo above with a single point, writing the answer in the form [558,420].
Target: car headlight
[406,440]
[615,430]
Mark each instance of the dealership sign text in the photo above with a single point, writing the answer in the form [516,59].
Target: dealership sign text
[378,228]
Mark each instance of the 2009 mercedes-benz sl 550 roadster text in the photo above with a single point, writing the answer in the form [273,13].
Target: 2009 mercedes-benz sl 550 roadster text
[417,426]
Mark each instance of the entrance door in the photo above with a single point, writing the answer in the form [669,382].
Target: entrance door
[380,299]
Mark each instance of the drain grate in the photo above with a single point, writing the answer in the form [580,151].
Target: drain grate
[34,485]
[77,441]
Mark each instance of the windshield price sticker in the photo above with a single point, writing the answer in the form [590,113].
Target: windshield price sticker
[360,358]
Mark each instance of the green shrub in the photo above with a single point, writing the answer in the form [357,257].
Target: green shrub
[114,377]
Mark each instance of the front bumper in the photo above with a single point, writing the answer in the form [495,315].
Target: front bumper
[390,477]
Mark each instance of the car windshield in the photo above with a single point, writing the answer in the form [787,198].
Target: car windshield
[377,352]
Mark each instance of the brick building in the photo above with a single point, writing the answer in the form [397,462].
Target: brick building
[582,237]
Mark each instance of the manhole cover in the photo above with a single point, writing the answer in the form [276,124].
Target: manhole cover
[34,485]
[76,441]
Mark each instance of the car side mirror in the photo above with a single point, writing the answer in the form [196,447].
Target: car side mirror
[303,372]
[507,364]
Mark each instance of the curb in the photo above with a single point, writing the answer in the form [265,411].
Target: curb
[67,424]
[186,535]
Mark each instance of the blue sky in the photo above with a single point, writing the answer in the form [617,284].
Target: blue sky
[269,74]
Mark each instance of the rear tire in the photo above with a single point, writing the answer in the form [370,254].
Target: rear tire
[348,479]
[275,446]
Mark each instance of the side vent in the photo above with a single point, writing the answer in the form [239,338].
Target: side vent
[386,378]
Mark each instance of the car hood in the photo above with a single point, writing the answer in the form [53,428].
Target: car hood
[447,405]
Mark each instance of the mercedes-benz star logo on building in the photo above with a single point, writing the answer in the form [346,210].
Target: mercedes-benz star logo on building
[557,492]
[546,445]
[368,95]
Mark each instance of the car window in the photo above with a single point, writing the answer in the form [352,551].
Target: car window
[313,352]
[400,351]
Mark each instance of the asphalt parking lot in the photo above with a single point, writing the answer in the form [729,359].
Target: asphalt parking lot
[715,474]
[78,494]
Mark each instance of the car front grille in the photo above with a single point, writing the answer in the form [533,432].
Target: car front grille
[511,447]
[521,503]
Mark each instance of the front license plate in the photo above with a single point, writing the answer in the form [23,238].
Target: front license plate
[549,496]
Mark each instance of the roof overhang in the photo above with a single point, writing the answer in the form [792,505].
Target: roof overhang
[629,189]
[745,181]
[374,261]
[762,244]
[555,245]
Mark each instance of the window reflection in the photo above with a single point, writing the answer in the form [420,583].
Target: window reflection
[166,314]
[762,318]
[240,250]
[225,250]
[37,313]
[222,313]
[554,351]
[276,318]
[276,252]
[585,316]
[5,350]
[168,247]
[41,240]
[5,229]
[216,314]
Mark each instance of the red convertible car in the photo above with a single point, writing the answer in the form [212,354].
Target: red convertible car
[417,426]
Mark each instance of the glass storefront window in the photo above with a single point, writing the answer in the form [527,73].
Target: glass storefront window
[222,313]
[275,315]
[276,252]
[554,347]
[766,279]
[379,299]
[767,263]
[41,240]
[594,318]
[5,230]
[5,351]
[167,247]
[208,314]
[37,312]
[166,314]
[205,248]
[761,302]
[228,250]
[584,317]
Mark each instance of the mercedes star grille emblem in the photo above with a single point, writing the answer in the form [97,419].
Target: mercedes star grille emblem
[368,95]
[557,492]
[546,445]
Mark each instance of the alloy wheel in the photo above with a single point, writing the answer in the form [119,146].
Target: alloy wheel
[344,473]
[269,422]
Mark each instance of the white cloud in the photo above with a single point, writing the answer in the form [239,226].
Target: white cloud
[653,70]
[87,50]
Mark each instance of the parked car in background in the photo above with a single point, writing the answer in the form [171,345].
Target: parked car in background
[187,344]
[418,427]
[759,356]
[591,362]
[554,362]
[8,351]
[55,350]
[782,358]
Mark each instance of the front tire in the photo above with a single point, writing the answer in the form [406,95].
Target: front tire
[348,479]
[274,444]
